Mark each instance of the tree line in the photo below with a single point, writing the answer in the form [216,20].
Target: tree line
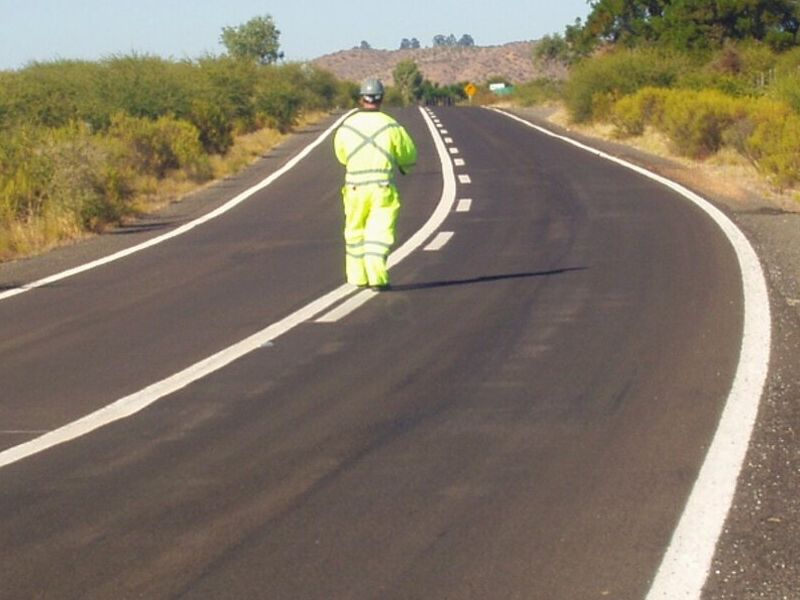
[439,41]
[694,25]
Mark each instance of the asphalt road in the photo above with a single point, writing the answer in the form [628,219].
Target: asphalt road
[522,416]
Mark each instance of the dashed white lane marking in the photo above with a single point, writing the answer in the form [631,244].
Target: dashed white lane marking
[686,564]
[464,205]
[444,132]
[453,150]
[448,140]
[464,179]
[459,162]
[183,228]
[439,241]
[134,403]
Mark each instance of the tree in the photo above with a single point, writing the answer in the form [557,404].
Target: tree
[415,43]
[466,41]
[687,23]
[365,45]
[405,44]
[256,40]
[551,48]
[409,80]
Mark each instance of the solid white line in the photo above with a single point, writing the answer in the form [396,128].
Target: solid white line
[183,228]
[464,179]
[439,241]
[443,208]
[686,564]
[133,403]
[464,205]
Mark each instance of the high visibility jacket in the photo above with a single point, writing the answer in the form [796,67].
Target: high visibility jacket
[371,144]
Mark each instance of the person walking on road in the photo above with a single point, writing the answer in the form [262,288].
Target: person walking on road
[371,145]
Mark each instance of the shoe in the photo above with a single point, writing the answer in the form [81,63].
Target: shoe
[384,287]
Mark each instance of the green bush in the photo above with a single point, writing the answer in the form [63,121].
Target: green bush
[632,114]
[538,91]
[66,173]
[774,144]
[156,147]
[278,103]
[599,82]
[696,121]
[786,88]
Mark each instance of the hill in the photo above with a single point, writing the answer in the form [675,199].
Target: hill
[442,65]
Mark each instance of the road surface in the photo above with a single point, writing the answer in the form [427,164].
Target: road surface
[522,416]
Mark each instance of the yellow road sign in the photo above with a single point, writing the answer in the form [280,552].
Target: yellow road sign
[470,89]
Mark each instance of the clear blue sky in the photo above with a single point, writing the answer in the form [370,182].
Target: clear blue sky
[44,30]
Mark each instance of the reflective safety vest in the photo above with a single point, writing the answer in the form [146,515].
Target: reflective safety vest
[371,144]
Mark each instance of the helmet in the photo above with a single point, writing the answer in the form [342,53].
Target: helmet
[372,90]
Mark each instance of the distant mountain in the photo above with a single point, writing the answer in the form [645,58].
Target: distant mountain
[442,65]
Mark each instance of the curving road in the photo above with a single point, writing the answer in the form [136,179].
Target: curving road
[522,416]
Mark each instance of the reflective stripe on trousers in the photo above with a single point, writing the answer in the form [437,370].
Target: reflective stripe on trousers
[369,231]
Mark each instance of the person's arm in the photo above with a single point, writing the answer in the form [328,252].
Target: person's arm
[405,151]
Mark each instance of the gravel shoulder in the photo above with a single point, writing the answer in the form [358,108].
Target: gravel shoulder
[759,552]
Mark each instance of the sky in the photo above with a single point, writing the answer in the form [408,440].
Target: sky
[47,30]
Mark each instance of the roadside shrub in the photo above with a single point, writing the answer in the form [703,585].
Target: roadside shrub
[774,145]
[696,121]
[539,91]
[57,182]
[786,88]
[24,173]
[215,129]
[229,86]
[156,147]
[278,103]
[597,83]
[143,86]
[632,114]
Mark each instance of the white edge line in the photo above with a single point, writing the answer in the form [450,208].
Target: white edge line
[235,201]
[686,564]
[133,403]
[443,208]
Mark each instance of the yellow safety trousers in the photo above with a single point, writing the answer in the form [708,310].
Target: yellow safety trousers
[369,231]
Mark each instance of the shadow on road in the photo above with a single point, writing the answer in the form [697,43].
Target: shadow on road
[404,287]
